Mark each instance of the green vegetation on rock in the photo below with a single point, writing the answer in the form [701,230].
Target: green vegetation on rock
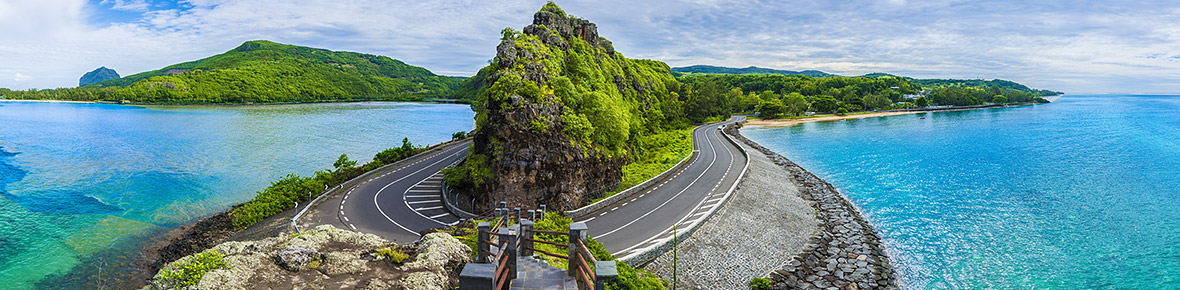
[188,273]
[265,72]
[559,82]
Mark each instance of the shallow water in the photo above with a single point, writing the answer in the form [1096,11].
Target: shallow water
[1083,193]
[77,179]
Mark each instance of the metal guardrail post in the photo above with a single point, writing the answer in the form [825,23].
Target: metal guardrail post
[577,232]
[526,231]
[484,234]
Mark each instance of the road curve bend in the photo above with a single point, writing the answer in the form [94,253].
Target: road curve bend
[635,225]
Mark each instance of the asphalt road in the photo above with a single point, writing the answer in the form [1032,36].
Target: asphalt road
[631,226]
[397,202]
[400,201]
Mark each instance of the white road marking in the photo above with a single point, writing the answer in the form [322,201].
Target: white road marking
[352,226]
[399,180]
[440,215]
[694,181]
[424,201]
[428,208]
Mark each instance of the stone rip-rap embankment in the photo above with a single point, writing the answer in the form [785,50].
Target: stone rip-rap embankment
[785,222]
[763,224]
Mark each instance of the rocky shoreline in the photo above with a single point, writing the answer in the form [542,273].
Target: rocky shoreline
[845,253]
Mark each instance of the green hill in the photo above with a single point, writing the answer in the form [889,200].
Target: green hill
[267,72]
[708,69]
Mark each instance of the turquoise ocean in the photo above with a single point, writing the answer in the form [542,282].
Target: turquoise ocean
[79,180]
[1082,193]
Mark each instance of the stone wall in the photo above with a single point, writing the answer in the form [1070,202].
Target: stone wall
[845,253]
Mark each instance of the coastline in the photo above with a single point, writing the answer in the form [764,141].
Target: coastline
[845,253]
[832,118]
[430,101]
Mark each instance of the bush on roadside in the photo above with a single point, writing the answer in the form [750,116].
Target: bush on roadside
[284,193]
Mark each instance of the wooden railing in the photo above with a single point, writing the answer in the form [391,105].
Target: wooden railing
[519,238]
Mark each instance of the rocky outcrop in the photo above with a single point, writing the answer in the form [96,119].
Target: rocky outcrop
[558,113]
[97,75]
[328,258]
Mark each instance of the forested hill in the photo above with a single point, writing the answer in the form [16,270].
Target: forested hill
[925,83]
[708,69]
[266,72]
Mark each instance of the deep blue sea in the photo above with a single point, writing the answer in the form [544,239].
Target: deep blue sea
[1082,193]
[79,179]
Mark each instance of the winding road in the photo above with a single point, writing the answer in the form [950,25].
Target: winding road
[635,225]
[400,200]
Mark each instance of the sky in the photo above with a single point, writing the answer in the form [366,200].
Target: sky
[1072,46]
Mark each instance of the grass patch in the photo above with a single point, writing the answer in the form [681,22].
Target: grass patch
[660,152]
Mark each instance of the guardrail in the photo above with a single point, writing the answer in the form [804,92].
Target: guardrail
[626,193]
[353,182]
[654,252]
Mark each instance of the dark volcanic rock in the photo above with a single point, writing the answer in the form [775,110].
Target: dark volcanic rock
[98,75]
[533,160]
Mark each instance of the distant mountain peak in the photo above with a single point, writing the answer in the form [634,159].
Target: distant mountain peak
[97,75]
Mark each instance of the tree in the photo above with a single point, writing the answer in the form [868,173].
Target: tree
[826,104]
[795,104]
[343,162]
[459,135]
[876,101]
[771,109]
[1000,99]
[922,102]
[841,111]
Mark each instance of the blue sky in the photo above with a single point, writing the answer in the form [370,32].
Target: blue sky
[1072,46]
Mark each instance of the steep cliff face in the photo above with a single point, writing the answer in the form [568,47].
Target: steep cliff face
[559,112]
[98,75]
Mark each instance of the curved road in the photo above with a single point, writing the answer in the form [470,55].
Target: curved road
[397,201]
[634,225]
[401,200]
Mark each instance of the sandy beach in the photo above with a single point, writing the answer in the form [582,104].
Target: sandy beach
[47,101]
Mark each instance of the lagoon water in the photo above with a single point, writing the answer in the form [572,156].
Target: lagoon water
[1083,193]
[80,179]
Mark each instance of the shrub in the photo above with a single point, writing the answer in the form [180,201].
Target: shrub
[759,283]
[841,111]
[394,255]
[284,193]
[458,135]
[189,273]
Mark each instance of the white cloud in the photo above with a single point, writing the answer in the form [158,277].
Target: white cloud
[20,77]
[1097,46]
[127,5]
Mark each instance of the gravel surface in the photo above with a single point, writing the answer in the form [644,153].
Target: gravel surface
[762,226]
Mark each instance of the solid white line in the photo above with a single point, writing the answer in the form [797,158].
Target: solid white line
[396,181]
[694,181]
[440,215]
[421,196]
[588,220]
[424,201]
[428,208]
